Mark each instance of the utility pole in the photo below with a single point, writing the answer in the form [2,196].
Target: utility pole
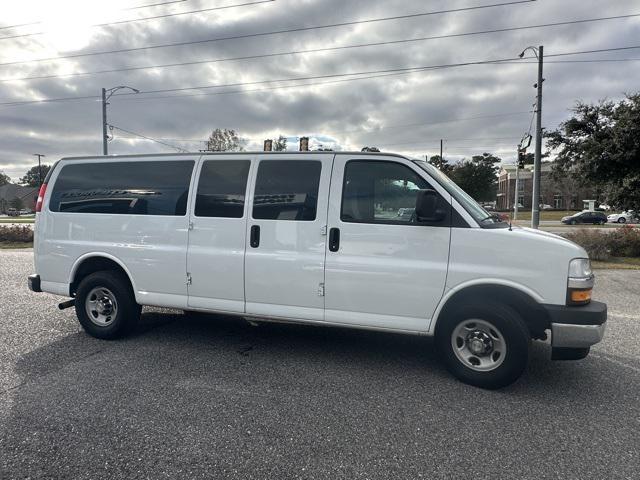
[106,95]
[104,122]
[516,196]
[535,212]
[39,155]
[441,159]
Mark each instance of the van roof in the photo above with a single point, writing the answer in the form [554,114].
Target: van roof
[191,154]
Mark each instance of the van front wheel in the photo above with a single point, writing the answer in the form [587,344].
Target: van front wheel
[105,305]
[486,346]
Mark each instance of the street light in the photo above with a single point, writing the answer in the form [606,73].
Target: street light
[535,204]
[106,95]
[533,49]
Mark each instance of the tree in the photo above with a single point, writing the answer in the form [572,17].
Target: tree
[223,140]
[16,203]
[441,164]
[34,175]
[370,149]
[4,179]
[599,145]
[478,176]
[280,145]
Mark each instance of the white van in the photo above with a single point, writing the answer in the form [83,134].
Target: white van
[311,237]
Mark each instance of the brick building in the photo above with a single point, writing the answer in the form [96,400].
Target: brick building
[565,194]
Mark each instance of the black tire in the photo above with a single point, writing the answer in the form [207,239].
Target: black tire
[512,329]
[572,222]
[127,311]
[622,220]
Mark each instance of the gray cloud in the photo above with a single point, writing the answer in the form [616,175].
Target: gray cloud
[357,113]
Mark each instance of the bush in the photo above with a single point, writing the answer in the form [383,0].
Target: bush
[16,234]
[593,241]
[625,242]
[601,245]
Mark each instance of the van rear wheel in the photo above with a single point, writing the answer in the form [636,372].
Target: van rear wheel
[106,306]
[486,345]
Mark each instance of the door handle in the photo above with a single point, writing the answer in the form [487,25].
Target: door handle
[334,239]
[254,238]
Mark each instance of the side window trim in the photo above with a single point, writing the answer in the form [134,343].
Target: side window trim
[198,177]
[256,179]
[58,190]
[409,167]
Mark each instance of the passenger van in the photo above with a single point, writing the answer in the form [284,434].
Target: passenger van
[365,240]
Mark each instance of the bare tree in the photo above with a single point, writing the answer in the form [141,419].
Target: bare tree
[280,145]
[223,140]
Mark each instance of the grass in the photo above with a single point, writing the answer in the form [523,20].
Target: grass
[11,245]
[619,263]
[17,220]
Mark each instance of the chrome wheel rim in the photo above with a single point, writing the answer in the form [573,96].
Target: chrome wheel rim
[479,345]
[101,306]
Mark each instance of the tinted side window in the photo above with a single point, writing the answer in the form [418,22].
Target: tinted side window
[140,188]
[287,190]
[380,192]
[221,188]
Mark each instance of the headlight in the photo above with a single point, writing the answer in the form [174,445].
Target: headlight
[580,268]
[580,282]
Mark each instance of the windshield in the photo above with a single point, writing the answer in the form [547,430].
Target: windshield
[478,213]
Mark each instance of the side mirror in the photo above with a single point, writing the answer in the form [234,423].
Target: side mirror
[429,207]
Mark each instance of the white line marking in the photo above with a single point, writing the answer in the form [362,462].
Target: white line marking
[617,362]
[624,315]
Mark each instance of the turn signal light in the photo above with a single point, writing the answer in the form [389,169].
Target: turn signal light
[580,296]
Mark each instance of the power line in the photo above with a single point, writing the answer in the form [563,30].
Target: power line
[155,17]
[258,82]
[179,149]
[396,71]
[429,143]
[157,4]
[275,32]
[597,60]
[315,50]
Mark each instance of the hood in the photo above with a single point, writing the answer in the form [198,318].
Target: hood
[554,241]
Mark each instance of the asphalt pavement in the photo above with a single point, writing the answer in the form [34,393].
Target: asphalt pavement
[213,397]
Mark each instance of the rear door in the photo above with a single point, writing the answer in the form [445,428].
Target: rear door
[286,236]
[215,260]
[383,269]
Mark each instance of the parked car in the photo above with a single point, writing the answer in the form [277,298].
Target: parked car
[12,212]
[595,218]
[305,237]
[624,217]
[544,206]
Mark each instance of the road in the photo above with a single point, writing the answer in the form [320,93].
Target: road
[212,397]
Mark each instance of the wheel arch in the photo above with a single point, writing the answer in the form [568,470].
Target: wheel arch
[524,301]
[94,262]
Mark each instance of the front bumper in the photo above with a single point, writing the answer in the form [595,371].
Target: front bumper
[34,283]
[577,326]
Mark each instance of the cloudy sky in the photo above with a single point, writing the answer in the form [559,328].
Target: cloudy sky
[474,108]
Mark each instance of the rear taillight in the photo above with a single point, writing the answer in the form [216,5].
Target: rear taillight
[40,201]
